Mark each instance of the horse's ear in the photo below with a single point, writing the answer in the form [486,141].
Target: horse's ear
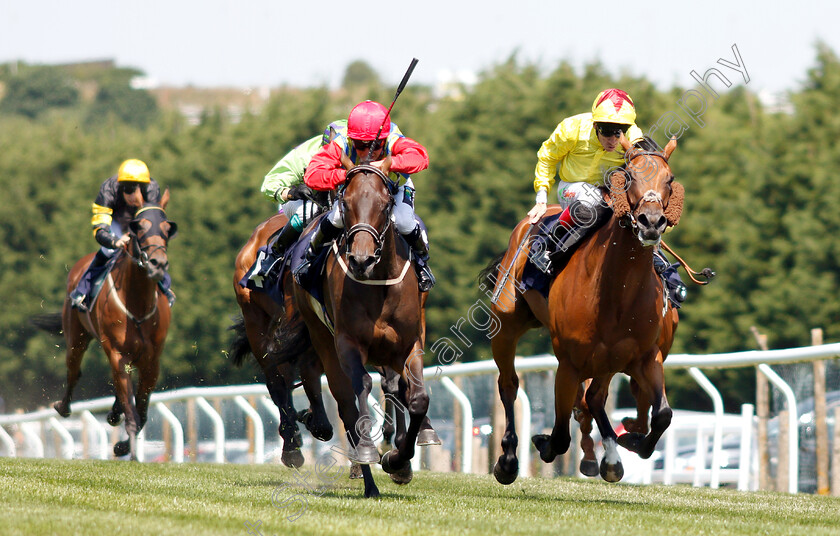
[618,198]
[173,229]
[386,165]
[164,199]
[675,203]
[624,142]
[670,147]
[346,163]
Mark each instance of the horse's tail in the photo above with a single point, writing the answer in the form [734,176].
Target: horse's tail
[239,345]
[291,339]
[49,322]
[487,275]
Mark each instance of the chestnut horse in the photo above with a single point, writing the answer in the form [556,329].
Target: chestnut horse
[373,301]
[263,327]
[130,318]
[606,313]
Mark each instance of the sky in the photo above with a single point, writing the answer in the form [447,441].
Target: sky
[269,43]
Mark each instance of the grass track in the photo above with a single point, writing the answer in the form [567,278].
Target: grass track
[91,497]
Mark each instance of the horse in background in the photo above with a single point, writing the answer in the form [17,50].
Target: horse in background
[606,312]
[130,319]
[264,330]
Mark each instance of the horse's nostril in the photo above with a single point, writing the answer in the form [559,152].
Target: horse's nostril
[662,222]
[643,220]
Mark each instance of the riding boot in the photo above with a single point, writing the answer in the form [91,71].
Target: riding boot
[326,232]
[670,277]
[165,285]
[283,239]
[416,240]
[79,296]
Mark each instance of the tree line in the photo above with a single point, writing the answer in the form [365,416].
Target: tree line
[761,205]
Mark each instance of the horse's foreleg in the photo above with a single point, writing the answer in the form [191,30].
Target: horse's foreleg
[507,466]
[121,371]
[639,424]
[394,422]
[278,380]
[566,384]
[315,418]
[651,378]
[77,342]
[361,383]
[596,397]
[116,411]
[589,464]
[418,406]
[148,379]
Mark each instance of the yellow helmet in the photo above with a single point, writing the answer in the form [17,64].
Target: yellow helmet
[613,106]
[133,170]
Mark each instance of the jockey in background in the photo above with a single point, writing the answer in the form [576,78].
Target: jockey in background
[118,200]
[581,150]
[326,172]
[284,185]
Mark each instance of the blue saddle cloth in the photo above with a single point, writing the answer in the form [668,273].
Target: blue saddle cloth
[267,273]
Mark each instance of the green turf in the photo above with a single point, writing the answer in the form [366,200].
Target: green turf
[92,497]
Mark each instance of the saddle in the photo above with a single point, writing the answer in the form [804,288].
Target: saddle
[267,273]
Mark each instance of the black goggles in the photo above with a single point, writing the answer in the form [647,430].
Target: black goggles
[612,131]
[364,145]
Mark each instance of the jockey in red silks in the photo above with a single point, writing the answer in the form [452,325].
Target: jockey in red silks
[326,172]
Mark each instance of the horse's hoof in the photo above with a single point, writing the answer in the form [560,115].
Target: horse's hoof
[62,409]
[543,444]
[365,455]
[428,437]
[589,467]
[371,492]
[612,473]
[322,432]
[632,425]
[121,448]
[292,458]
[355,471]
[631,441]
[388,464]
[505,477]
[114,418]
[403,476]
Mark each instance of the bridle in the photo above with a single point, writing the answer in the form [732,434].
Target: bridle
[140,255]
[650,196]
[361,227]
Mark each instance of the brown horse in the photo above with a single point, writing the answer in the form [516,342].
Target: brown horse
[377,314]
[605,312]
[130,319]
[264,325]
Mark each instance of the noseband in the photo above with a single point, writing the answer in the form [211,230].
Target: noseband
[361,227]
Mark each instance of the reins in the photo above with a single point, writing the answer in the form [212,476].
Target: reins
[708,273]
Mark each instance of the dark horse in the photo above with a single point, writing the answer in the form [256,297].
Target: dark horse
[264,327]
[606,313]
[377,313]
[130,319]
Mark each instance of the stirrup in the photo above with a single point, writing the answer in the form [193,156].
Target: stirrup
[425,279]
[170,296]
[77,301]
[542,261]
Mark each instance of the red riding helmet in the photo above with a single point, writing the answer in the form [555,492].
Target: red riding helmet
[365,120]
